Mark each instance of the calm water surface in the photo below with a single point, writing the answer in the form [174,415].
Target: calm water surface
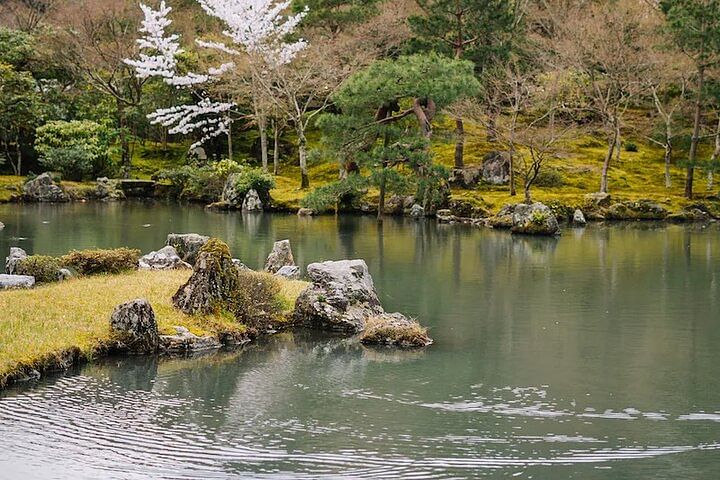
[595,356]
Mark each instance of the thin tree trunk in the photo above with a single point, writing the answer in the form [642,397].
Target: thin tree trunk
[230,141]
[697,118]
[124,142]
[459,144]
[714,157]
[262,128]
[668,156]
[302,149]
[612,144]
[18,151]
[276,148]
[381,201]
[528,198]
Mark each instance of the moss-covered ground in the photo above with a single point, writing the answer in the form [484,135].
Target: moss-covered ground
[39,325]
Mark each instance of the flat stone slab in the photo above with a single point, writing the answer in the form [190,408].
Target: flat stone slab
[16,281]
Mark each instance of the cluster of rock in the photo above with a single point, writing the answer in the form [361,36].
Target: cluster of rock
[16,277]
[43,189]
[233,198]
[166,258]
[108,190]
[342,298]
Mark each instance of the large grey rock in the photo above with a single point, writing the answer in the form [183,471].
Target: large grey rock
[251,202]
[134,328]
[187,245]
[291,272]
[164,259]
[108,190]
[467,177]
[639,210]
[184,342]
[64,274]
[280,256]
[534,219]
[341,298]
[16,281]
[579,218]
[43,189]
[306,212]
[416,211]
[496,168]
[17,255]
[213,284]
[231,195]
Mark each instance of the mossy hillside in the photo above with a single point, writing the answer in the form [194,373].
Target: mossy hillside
[37,326]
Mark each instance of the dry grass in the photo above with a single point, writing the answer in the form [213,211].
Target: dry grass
[35,324]
[384,331]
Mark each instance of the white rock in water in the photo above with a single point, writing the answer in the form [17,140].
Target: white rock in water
[579,218]
[252,202]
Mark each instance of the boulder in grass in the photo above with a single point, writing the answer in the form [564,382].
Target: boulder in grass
[164,259]
[214,281]
[187,245]
[280,256]
[395,329]
[17,255]
[341,298]
[134,327]
[8,282]
[291,272]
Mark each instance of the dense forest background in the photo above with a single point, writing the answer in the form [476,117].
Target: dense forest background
[383,97]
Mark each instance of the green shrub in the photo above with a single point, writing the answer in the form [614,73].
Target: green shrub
[257,302]
[549,178]
[43,268]
[254,179]
[336,196]
[631,147]
[93,262]
[77,149]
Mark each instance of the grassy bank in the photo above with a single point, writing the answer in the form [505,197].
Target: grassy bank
[41,327]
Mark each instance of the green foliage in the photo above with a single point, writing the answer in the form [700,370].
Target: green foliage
[336,196]
[258,303]
[43,268]
[695,25]
[19,109]
[249,178]
[548,178]
[96,261]
[16,47]
[334,15]
[77,149]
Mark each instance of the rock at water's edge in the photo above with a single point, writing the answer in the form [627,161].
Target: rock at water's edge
[291,272]
[579,218]
[17,255]
[134,327]
[252,202]
[186,342]
[164,259]
[281,256]
[534,219]
[187,245]
[43,189]
[395,329]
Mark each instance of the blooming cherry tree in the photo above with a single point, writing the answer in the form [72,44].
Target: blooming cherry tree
[256,28]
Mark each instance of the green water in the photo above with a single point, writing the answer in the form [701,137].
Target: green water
[594,356]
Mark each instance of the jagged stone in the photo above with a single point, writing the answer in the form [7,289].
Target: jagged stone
[44,189]
[108,190]
[341,298]
[213,283]
[534,219]
[579,218]
[185,342]
[252,202]
[17,255]
[496,168]
[164,259]
[187,245]
[467,177]
[280,256]
[231,195]
[417,211]
[134,327]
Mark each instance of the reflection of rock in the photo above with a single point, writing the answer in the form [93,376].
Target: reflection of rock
[394,329]
[291,272]
[134,327]
[187,245]
[281,256]
[164,259]
[17,255]
[341,297]
[534,219]
[43,189]
[8,282]
[496,168]
[251,202]
[185,342]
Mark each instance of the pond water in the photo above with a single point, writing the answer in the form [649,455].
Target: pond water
[594,356]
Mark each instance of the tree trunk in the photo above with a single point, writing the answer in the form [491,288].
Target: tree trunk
[262,128]
[18,151]
[697,118]
[612,144]
[381,201]
[459,144]
[714,158]
[668,156]
[302,149]
[276,149]
[230,142]
[528,198]
[124,141]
